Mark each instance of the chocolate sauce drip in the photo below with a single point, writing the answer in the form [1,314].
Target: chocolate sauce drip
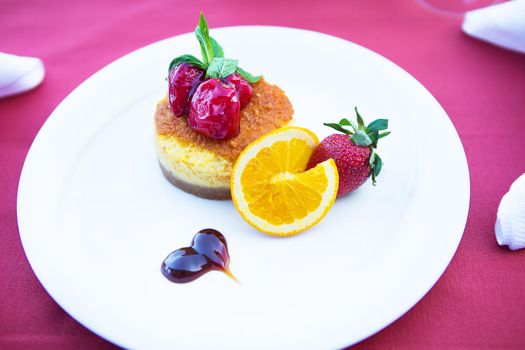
[208,251]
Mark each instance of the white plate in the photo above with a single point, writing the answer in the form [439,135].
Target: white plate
[97,218]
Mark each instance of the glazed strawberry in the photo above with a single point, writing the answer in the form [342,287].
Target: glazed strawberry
[183,79]
[243,88]
[211,106]
[353,152]
[215,110]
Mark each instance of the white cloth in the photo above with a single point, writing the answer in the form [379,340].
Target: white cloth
[502,24]
[19,74]
[510,224]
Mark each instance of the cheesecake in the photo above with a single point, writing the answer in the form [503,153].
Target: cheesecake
[201,165]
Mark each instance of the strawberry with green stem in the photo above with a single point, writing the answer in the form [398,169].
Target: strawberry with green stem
[354,151]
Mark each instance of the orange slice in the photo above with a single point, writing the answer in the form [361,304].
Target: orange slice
[271,189]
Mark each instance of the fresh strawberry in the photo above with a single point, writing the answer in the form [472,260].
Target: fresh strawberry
[353,151]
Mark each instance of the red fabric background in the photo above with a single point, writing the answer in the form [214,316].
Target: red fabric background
[480,300]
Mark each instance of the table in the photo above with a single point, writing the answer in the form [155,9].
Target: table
[479,302]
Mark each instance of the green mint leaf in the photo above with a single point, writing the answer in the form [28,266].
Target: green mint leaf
[221,67]
[360,138]
[250,78]
[350,123]
[360,122]
[337,127]
[186,59]
[377,125]
[203,36]
[216,48]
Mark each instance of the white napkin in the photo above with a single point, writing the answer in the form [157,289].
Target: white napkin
[19,74]
[510,224]
[502,24]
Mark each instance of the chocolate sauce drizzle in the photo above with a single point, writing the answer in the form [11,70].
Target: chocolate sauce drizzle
[208,251]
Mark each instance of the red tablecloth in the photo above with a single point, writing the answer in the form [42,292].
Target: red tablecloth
[480,300]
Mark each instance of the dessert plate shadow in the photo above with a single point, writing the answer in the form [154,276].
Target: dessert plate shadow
[97,218]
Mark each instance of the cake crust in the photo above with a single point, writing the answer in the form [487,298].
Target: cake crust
[217,193]
[268,110]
